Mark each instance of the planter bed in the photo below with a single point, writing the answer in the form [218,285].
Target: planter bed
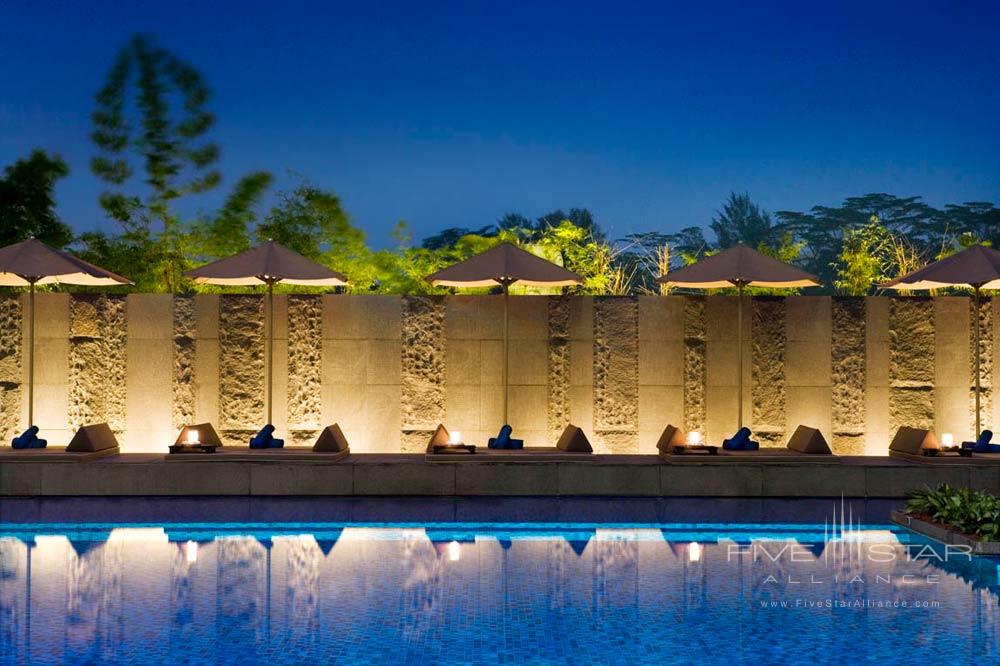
[945,534]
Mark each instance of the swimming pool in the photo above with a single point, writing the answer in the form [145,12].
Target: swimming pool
[489,592]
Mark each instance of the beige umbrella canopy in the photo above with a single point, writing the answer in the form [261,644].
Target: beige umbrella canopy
[31,263]
[267,264]
[504,265]
[739,266]
[976,268]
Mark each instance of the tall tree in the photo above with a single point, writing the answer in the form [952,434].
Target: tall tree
[27,200]
[151,110]
[742,221]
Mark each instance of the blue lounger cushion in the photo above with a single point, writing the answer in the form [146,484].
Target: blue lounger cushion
[503,440]
[263,439]
[740,441]
[29,440]
[982,445]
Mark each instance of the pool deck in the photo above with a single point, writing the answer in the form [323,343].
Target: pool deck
[138,474]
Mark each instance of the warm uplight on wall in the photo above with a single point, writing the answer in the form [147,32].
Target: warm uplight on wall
[947,439]
[454,551]
[694,552]
[191,552]
[454,437]
[694,438]
[192,437]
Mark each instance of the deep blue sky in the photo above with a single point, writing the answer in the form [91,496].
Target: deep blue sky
[450,114]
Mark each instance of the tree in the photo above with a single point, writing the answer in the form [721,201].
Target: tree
[165,132]
[27,201]
[742,221]
[228,231]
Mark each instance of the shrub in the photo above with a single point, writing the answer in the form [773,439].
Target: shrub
[970,512]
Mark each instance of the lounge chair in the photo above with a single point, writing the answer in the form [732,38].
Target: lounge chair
[89,442]
[573,446]
[330,446]
[921,446]
[805,445]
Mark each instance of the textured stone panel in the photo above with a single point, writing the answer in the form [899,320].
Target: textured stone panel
[10,366]
[559,365]
[241,366]
[911,363]
[423,382]
[847,374]
[695,376]
[616,373]
[185,338]
[305,367]
[985,363]
[768,370]
[97,360]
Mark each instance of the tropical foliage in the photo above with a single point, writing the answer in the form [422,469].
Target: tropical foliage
[967,511]
[153,148]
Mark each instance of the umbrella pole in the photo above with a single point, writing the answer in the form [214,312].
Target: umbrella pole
[739,353]
[506,298]
[270,348]
[975,300]
[31,353]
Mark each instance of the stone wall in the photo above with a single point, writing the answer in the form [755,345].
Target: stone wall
[389,369]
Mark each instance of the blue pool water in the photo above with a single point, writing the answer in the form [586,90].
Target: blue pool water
[453,591]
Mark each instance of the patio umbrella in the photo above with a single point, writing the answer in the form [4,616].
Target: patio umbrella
[504,265]
[976,268]
[267,264]
[739,266]
[31,263]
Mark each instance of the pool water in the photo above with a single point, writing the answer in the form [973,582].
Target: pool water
[454,592]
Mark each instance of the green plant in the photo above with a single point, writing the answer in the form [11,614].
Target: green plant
[968,511]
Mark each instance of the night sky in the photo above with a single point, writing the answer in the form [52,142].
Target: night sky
[451,114]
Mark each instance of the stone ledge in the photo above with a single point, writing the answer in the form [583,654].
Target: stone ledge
[411,475]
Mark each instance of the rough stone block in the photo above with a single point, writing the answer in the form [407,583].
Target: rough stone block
[241,362]
[423,359]
[848,362]
[616,361]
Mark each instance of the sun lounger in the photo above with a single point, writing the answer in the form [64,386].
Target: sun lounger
[921,446]
[89,442]
[330,446]
[573,446]
[807,445]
